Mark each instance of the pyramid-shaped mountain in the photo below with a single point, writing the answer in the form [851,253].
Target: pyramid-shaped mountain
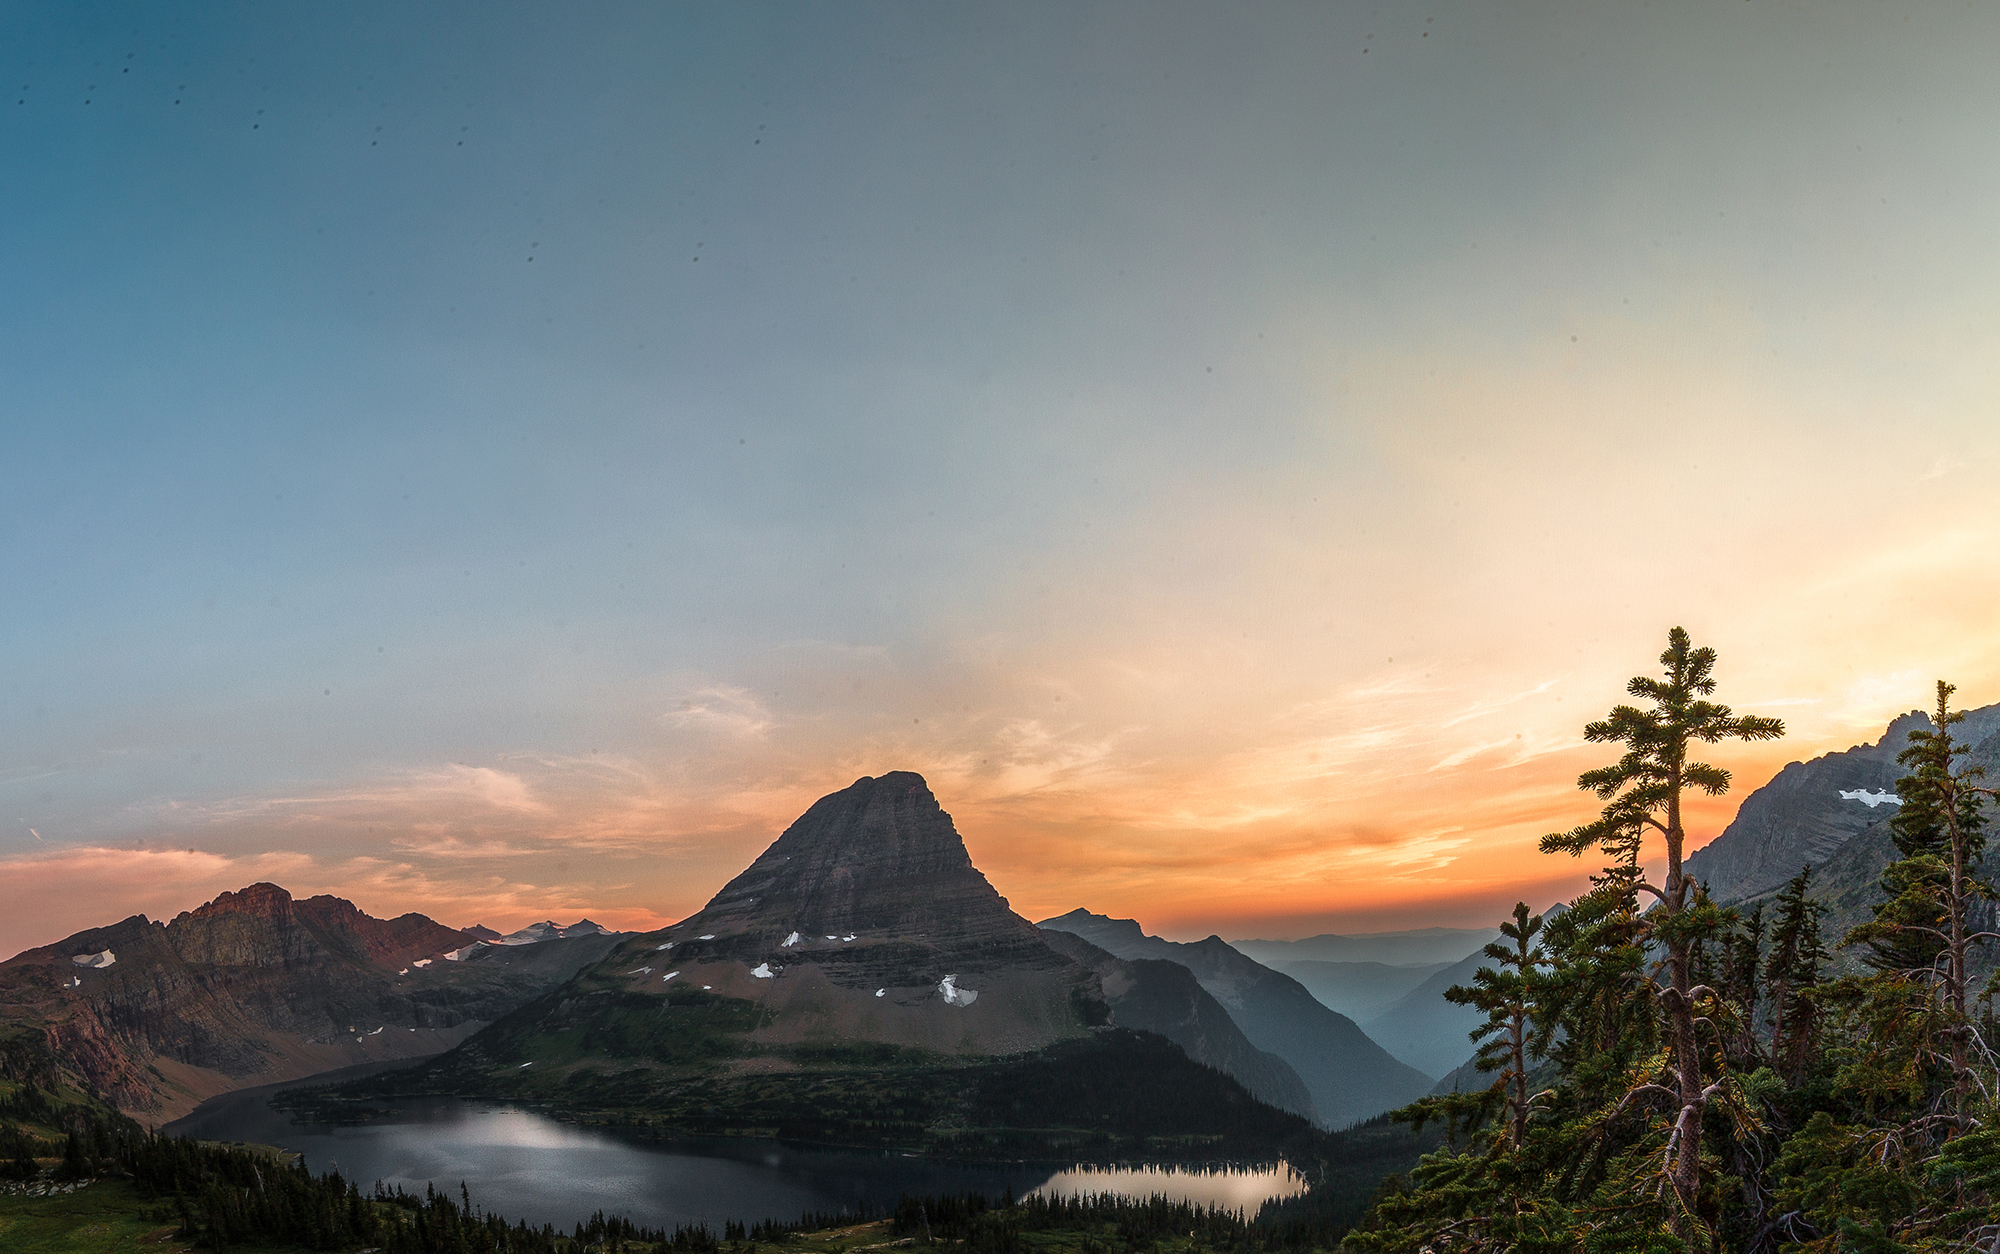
[861,982]
[866,920]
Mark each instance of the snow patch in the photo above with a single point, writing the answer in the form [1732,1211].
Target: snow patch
[524,1066]
[845,938]
[641,971]
[460,955]
[763,971]
[659,948]
[709,936]
[421,962]
[1871,799]
[376,1032]
[668,976]
[953,994]
[404,971]
[880,991]
[95,961]
[789,941]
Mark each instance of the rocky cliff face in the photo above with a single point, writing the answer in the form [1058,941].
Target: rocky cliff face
[1349,1076]
[1849,881]
[251,988]
[1801,818]
[879,861]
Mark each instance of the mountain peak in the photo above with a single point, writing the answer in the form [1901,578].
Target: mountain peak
[873,884]
[262,900]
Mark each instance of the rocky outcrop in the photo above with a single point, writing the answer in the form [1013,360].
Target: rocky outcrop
[1811,809]
[1349,1076]
[255,987]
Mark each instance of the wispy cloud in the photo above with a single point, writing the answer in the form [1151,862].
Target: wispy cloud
[724,708]
[452,786]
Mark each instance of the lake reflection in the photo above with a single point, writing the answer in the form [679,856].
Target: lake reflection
[523,1165]
[1232,1188]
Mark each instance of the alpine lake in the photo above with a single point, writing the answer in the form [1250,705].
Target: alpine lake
[523,1165]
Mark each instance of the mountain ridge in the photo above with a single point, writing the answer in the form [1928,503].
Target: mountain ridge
[1350,1076]
[252,987]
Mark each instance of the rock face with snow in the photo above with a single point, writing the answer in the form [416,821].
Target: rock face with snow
[872,889]
[1811,809]
[879,861]
[253,987]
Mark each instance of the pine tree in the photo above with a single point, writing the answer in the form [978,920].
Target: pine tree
[1643,793]
[1742,956]
[1507,994]
[1792,973]
[1921,934]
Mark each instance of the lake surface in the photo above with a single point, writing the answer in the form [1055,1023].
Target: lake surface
[524,1165]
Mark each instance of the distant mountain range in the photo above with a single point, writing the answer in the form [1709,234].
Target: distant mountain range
[1425,1030]
[1349,1075]
[1359,990]
[256,987]
[1416,947]
[1393,985]
[1165,997]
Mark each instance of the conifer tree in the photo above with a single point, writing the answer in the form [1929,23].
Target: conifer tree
[1792,973]
[1643,792]
[1922,933]
[1507,994]
[1742,954]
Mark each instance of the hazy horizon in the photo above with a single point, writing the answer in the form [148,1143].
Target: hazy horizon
[500,461]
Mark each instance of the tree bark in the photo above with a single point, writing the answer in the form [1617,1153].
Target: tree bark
[1684,1166]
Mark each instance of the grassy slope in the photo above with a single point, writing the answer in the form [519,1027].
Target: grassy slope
[104,1216]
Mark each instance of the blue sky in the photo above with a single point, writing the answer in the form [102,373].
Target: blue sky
[516,455]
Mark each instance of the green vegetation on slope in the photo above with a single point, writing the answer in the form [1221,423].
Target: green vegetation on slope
[1112,1095]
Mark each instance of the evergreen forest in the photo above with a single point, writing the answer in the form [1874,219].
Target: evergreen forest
[1672,1075]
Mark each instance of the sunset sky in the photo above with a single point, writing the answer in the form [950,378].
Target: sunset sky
[508,460]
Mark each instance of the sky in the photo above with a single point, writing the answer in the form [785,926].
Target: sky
[506,461]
